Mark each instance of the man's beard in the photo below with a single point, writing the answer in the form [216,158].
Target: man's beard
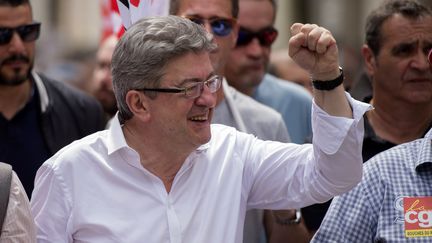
[107,99]
[17,78]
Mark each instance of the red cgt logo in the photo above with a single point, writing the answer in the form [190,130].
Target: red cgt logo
[418,216]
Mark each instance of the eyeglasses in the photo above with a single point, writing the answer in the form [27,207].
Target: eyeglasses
[191,91]
[27,33]
[265,36]
[219,26]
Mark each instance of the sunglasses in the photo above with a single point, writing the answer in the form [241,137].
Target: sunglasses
[265,36]
[27,33]
[219,26]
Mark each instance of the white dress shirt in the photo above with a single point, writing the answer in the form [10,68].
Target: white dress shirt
[96,190]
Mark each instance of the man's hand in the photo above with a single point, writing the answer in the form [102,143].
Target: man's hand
[314,49]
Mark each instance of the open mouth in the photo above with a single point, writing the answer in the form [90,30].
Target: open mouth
[200,118]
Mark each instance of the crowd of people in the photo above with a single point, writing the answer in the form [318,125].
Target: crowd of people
[185,136]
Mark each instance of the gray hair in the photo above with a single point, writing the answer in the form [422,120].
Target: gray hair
[140,57]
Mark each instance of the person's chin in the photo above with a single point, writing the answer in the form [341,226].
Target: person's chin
[205,138]
[12,80]
[202,133]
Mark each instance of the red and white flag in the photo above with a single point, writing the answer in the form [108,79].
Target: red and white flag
[119,15]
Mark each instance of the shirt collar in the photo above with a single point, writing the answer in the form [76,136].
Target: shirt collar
[429,133]
[43,94]
[424,159]
[116,139]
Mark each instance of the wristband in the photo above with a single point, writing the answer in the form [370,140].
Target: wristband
[330,84]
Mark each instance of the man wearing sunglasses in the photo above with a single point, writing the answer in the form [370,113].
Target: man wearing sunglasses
[247,66]
[38,116]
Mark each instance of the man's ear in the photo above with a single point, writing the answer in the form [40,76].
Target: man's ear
[369,59]
[138,104]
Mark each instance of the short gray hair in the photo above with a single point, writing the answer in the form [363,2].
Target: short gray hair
[141,55]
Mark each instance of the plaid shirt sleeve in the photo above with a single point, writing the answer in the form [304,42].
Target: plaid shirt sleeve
[352,217]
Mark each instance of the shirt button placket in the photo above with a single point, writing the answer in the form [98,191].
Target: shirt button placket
[173,222]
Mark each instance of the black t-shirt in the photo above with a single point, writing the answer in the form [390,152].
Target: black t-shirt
[22,144]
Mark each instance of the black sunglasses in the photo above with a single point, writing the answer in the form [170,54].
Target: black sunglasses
[219,26]
[265,36]
[27,33]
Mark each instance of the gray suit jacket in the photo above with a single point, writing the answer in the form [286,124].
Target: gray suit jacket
[247,115]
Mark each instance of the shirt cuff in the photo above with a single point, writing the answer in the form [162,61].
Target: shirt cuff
[330,131]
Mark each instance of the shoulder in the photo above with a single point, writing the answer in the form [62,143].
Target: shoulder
[258,118]
[247,106]
[225,136]
[79,152]
[63,102]
[283,88]
[397,162]
[65,93]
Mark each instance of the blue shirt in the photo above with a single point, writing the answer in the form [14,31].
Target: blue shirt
[292,101]
[373,210]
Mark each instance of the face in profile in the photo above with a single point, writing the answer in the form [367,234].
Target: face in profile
[102,87]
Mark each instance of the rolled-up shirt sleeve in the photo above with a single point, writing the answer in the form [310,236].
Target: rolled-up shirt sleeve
[337,145]
[294,176]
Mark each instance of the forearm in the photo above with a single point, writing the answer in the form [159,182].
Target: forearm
[334,102]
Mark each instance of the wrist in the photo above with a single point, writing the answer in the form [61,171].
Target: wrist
[327,75]
[329,84]
[287,217]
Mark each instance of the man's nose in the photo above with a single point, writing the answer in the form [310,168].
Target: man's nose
[207,98]
[16,44]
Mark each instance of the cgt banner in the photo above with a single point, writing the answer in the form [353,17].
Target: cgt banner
[418,216]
